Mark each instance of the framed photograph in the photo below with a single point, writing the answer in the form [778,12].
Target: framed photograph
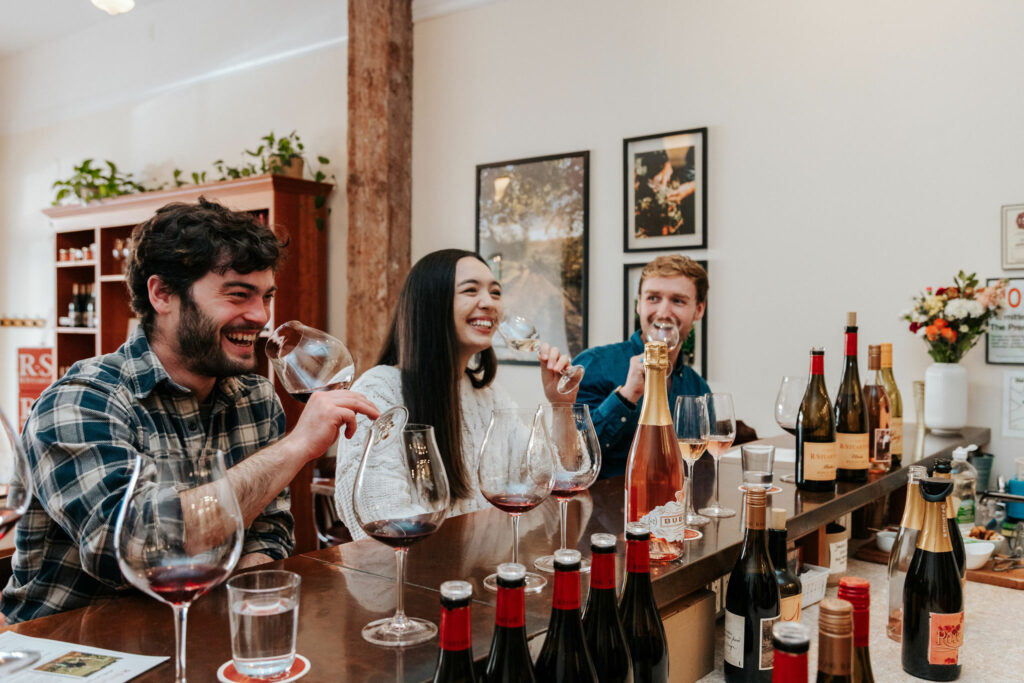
[1004,342]
[1013,236]
[531,228]
[665,180]
[694,347]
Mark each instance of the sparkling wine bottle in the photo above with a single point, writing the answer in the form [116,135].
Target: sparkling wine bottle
[602,627]
[564,657]
[857,592]
[816,432]
[509,660]
[944,470]
[851,414]
[791,640]
[641,621]
[933,601]
[790,588]
[879,410]
[751,601]
[654,471]
[896,403]
[455,660]
[835,641]
[903,550]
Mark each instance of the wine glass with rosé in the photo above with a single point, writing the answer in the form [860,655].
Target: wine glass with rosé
[401,496]
[691,423]
[577,460]
[306,359]
[787,405]
[721,434]
[520,334]
[516,472]
[179,531]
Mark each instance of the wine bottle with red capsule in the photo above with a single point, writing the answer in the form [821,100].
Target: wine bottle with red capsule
[602,627]
[791,640]
[645,634]
[455,661]
[509,660]
[851,414]
[857,592]
[564,657]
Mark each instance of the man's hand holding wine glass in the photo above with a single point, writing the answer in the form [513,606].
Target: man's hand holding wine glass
[325,414]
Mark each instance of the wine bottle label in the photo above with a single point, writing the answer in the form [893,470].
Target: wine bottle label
[766,652]
[837,555]
[733,644]
[511,612]
[853,451]
[602,567]
[945,636]
[882,446]
[567,590]
[820,461]
[455,629]
[667,521]
[896,446]
[789,607]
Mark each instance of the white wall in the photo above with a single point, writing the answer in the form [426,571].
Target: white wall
[857,152]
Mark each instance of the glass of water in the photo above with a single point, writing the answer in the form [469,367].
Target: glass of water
[264,608]
[757,460]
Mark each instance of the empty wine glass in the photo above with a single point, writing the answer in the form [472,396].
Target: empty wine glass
[721,434]
[520,334]
[179,531]
[577,460]
[516,473]
[307,360]
[15,495]
[664,331]
[401,496]
[691,423]
[787,405]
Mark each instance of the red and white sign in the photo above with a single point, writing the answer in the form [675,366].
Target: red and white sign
[35,373]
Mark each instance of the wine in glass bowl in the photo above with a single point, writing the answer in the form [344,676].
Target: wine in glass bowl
[787,401]
[721,434]
[303,396]
[401,496]
[515,471]
[179,531]
[520,334]
[719,446]
[306,360]
[691,425]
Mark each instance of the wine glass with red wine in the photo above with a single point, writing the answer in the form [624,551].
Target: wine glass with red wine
[787,405]
[515,470]
[520,334]
[307,360]
[401,496]
[721,434]
[15,495]
[179,531]
[577,460]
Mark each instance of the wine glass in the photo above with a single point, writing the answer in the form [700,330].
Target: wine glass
[307,360]
[721,434]
[664,331]
[520,334]
[691,423]
[15,495]
[179,531]
[577,461]
[516,472]
[401,496]
[787,405]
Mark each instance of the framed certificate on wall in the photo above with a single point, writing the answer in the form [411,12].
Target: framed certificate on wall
[1013,236]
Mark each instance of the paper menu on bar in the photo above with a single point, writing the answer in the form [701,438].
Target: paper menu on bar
[61,661]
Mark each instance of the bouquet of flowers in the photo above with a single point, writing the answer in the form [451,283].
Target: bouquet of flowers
[951,319]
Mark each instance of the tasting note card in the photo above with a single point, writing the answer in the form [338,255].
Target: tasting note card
[68,662]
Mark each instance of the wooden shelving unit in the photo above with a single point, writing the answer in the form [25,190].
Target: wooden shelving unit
[287,205]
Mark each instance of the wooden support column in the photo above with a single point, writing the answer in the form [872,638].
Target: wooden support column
[379,168]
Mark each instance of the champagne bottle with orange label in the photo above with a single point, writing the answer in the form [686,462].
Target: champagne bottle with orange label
[851,414]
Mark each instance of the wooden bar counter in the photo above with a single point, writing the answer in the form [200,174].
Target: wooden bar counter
[346,586]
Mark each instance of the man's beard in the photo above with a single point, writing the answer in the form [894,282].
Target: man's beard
[199,341]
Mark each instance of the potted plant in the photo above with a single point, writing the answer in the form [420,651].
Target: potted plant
[89,183]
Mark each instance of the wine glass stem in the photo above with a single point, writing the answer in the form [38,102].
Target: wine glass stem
[716,484]
[515,538]
[180,617]
[399,619]
[563,512]
[689,487]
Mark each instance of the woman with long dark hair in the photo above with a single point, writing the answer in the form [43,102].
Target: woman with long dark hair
[438,362]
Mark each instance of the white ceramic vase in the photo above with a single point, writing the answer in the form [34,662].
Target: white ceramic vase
[945,397]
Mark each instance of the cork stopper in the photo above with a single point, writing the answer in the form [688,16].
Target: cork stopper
[886,355]
[851,319]
[778,520]
[656,355]
[835,617]
[874,357]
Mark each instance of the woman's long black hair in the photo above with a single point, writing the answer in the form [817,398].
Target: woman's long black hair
[422,343]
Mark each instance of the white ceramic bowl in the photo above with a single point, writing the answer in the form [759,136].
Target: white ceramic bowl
[999,541]
[978,553]
[885,539]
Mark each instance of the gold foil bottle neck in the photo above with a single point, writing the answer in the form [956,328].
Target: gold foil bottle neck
[656,355]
